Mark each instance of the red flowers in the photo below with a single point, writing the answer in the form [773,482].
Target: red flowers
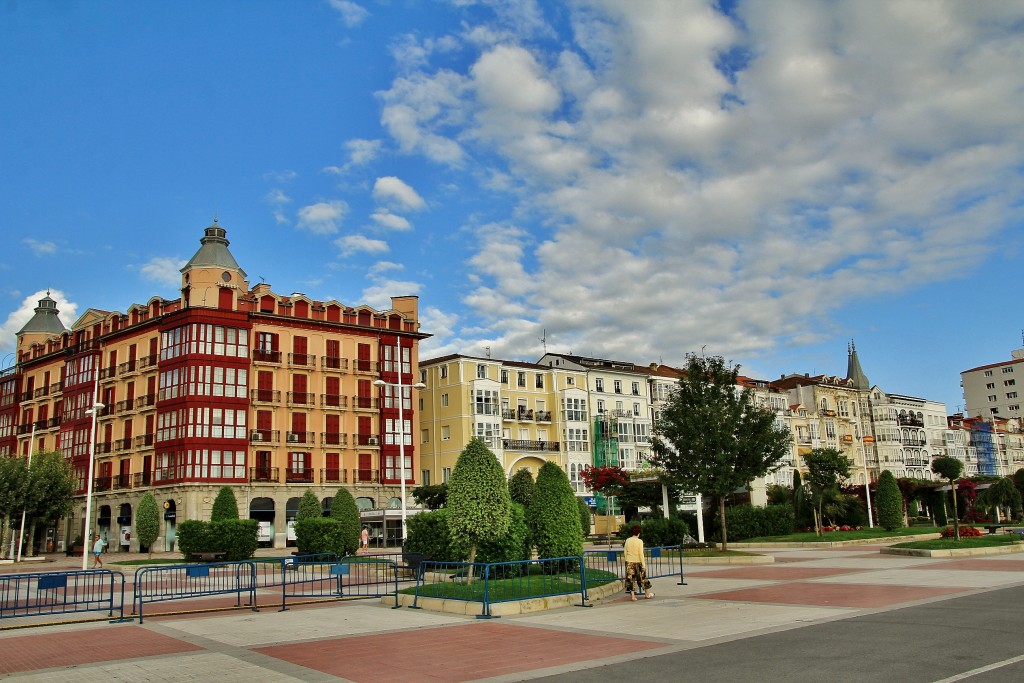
[965,532]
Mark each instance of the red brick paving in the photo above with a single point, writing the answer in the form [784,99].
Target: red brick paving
[452,653]
[768,573]
[974,564]
[44,651]
[833,594]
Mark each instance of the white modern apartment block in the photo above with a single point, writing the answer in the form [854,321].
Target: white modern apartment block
[995,389]
[909,432]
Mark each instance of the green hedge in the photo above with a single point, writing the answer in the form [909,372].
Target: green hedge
[428,536]
[317,535]
[236,538]
[747,521]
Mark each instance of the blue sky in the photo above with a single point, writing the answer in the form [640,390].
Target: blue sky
[628,180]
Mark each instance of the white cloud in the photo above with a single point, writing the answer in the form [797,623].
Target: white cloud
[322,218]
[393,191]
[353,244]
[379,293]
[67,311]
[163,270]
[351,14]
[736,179]
[40,248]
[390,221]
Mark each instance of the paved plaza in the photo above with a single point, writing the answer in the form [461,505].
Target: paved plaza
[365,641]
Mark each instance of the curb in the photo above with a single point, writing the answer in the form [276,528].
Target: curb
[957,552]
[503,609]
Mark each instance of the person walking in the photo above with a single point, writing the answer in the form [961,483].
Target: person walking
[636,565]
[364,539]
[97,552]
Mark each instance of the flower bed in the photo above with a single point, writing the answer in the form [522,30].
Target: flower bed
[965,532]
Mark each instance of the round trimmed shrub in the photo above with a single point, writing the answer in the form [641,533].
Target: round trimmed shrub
[345,511]
[889,502]
[555,514]
[224,505]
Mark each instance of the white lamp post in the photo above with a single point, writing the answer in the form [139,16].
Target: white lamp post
[401,428]
[96,408]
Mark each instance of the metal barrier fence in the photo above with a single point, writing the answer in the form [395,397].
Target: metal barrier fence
[662,561]
[63,592]
[335,579]
[185,581]
[502,581]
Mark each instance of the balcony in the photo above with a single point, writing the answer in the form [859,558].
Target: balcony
[336,401]
[333,363]
[39,425]
[145,402]
[40,392]
[917,462]
[828,413]
[122,444]
[909,422]
[108,373]
[543,415]
[102,483]
[365,440]
[263,474]
[333,476]
[144,441]
[913,441]
[507,414]
[271,436]
[526,445]
[104,447]
[125,406]
[107,410]
[364,367]
[55,388]
[333,439]
[140,479]
[364,403]
[301,360]
[148,362]
[524,415]
[265,396]
[266,356]
[53,422]
[305,438]
[301,398]
[365,476]
[122,481]
[128,368]
[298,476]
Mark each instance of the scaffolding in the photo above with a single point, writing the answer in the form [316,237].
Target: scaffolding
[984,438]
[606,454]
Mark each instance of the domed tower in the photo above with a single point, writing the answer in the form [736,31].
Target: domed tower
[43,325]
[212,278]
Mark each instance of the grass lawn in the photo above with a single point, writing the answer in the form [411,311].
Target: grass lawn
[987,541]
[833,536]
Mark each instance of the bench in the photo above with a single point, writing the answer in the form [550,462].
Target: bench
[209,556]
[993,528]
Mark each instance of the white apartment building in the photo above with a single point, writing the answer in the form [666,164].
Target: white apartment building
[994,389]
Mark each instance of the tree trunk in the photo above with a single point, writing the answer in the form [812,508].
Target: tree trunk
[471,559]
[608,517]
[725,533]
[956,513]
[817,521]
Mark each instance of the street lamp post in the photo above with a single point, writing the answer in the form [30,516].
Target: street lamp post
[401,429]
[94,410]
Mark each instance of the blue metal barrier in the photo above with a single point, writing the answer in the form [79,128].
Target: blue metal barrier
[63,592]
[502,581]
[185,581]
[662,561]
[335,579]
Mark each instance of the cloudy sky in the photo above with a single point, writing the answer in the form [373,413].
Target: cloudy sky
[632,180]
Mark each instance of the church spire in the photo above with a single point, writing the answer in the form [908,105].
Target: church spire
[853,370]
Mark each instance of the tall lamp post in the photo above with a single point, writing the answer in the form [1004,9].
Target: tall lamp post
[401,428]
[94,411]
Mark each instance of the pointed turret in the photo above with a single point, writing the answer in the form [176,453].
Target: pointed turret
[44,324]
[854,371]
[210,271]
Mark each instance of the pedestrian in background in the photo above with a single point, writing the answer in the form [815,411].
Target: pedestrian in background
[636,565]
[97,552]
[364,538]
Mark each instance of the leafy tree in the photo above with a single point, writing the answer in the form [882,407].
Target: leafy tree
[712,438]
[889,502]
[826,469]
[1018,481]
[609,481]
[13,482]
[310,506]
[556,517]
[647,494]
[433,496]
[585,518]
[478,501]
[51,489]
[147,522]
[799,500]
[1002,494]
[224,505]
[521,487]
[345,510]
[950,469]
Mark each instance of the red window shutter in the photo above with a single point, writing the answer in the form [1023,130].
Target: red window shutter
[226,299]
[365,425]
[298,422]
[333,348]
[333,461]
[299,345]
[333,423]
[299,383]
[332,385]
[128,429]
[265,380]
[264,419]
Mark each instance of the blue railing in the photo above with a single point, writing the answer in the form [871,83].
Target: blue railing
[189,581]
[662,561]
[502,581]
[63,592]
[328,578]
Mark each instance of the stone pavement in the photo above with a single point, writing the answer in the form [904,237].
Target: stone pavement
[365,641]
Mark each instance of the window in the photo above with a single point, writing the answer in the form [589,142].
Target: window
[486,402]
[538,381]
[599,384]
[636,388]
[992,398]
[1009,382]
[988,373]
[990,385]
[488,432]
[424,436]
[600,406]
[1014,408]
[504,376]
[636,410]
[481,371]
[618,386]
[570,381]
[520,379]
[444,372]
[446,474]
[576,440]
[1007,370]
[574,409]
[444,400]
[1011,394]
[446,436]
[425,477]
